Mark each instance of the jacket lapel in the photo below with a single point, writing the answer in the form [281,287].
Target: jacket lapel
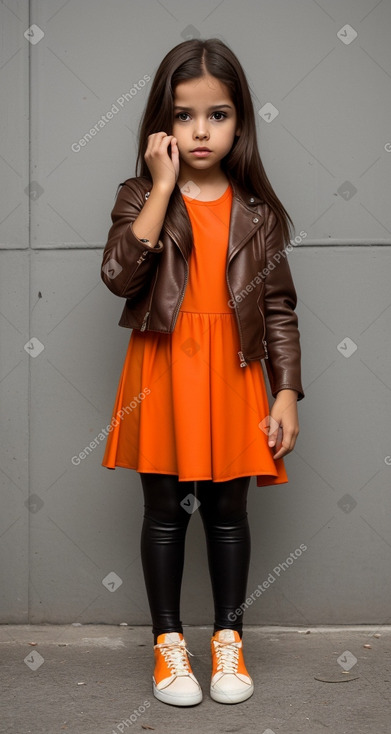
[244,222]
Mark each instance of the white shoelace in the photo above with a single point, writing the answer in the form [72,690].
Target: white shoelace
[227,656]
[175,655]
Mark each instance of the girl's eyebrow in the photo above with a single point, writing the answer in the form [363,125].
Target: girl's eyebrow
[213,107]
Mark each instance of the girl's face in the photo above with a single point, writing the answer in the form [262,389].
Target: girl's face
[204,117]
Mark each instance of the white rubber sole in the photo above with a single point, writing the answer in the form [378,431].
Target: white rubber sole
[175,700]
[234,697]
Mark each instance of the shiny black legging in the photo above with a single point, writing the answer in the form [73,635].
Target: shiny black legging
[224,517]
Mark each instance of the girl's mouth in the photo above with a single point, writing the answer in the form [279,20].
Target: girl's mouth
[201,152]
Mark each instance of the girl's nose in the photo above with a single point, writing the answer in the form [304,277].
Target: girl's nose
[200,132]
[201,136]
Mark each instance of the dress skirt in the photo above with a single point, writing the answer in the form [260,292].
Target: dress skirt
[184,406]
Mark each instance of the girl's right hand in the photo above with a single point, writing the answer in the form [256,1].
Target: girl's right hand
[164,169]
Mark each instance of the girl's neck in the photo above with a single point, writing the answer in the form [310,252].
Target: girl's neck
[210,188]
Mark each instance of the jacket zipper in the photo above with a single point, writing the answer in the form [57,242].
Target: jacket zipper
[264,342]
[242,361]
[145,319]
[144,324]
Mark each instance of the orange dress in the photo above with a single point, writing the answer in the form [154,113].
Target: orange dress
[184,405]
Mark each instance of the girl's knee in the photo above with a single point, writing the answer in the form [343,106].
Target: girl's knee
[163,498]
[224,502]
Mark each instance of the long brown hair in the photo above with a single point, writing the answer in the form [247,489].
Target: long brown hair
[191,60]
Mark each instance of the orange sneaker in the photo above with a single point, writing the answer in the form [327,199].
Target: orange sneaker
[173,680]
[230,681]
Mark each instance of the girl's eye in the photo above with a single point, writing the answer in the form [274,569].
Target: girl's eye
[222,115]
[184,116]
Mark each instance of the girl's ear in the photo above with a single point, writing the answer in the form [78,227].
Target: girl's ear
[238,131]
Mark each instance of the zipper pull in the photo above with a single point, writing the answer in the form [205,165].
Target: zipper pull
[243,362]
[144,324]
[265,347]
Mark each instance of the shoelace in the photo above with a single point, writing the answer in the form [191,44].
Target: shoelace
[227,656]
[175,655]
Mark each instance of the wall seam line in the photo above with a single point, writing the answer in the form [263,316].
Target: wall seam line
[29,329]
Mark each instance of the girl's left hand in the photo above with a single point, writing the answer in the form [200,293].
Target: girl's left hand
[284,413]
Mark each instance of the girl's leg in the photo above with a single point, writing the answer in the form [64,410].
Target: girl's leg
[163,547]
[224,516]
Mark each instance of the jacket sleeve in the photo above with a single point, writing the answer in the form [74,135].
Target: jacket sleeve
[127,263]
[283,337]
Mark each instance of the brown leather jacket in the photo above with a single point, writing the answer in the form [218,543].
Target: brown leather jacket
[153,280]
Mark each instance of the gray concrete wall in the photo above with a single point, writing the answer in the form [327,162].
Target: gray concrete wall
[63,527]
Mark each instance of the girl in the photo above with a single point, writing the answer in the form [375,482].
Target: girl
[196,248]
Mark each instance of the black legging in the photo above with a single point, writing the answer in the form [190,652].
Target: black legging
[224,516]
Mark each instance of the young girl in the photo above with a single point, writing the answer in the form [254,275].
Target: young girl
[196,248]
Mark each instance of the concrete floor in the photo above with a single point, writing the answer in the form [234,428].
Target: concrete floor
[87,679]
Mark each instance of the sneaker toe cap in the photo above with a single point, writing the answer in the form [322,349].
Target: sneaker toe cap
[182,685]
[231,682]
